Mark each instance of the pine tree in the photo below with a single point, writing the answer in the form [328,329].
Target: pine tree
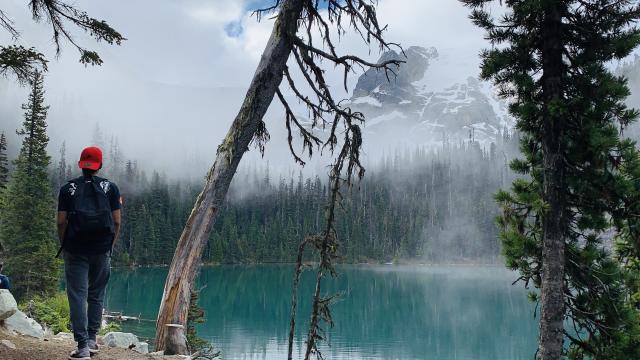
[4,178]
[195,317]
[27,228]
[97,139]
[4,162]
[549,58]
[115,159]
[61,170]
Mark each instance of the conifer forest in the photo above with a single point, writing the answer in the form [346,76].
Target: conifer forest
[326,179]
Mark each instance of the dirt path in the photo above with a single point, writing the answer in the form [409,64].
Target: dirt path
[28,348]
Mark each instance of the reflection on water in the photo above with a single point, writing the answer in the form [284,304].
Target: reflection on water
[386,312]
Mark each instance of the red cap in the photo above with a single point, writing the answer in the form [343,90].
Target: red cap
[90,158]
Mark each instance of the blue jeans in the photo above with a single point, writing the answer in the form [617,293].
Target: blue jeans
[86,277]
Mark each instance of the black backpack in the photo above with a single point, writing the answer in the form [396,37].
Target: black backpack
[91,215]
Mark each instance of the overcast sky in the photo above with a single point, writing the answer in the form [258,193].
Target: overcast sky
[171,90]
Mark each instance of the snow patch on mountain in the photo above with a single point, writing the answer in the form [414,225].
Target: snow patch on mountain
[435,97]
[368,100]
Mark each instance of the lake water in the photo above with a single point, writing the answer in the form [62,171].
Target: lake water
[385,312]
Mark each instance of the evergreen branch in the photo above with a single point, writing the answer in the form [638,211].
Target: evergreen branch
[57,12]
[294,293]
[21,62]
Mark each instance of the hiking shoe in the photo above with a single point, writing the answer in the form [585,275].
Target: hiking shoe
[80,354]
[93,347]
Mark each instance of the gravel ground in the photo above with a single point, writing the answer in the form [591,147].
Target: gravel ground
[28,348]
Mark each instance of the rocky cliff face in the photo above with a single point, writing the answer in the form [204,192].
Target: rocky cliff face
[431,100]
[395,91]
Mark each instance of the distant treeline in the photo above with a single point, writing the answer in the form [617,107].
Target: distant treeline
[418,206]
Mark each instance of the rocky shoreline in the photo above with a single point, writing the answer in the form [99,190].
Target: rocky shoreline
[21,337]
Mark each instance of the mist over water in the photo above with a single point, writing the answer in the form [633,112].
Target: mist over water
[385,312]
[437,143]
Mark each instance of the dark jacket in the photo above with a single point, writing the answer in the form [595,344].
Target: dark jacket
[5,283]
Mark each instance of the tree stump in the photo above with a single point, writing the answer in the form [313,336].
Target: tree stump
[175,340]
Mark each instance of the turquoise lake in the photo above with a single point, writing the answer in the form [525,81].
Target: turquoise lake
[385,312]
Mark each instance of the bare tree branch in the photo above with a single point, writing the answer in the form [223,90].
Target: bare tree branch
[323,108]
[294,292]
[325,112]
[7,24]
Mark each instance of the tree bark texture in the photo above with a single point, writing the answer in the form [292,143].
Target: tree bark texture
[553,247]
[175,340]
[186,261]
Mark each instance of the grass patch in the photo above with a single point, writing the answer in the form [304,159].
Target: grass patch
[51,312]
[110,327]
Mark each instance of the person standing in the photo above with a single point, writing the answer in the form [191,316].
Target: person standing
[88,225]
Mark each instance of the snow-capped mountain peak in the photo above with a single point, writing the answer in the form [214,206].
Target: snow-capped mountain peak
[435,97]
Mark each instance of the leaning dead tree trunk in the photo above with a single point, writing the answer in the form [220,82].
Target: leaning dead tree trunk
[312,21]
[247,125]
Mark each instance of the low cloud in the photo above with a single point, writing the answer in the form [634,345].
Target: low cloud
[171,90]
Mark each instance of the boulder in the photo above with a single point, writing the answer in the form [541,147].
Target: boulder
[120,339]
[8,304]
[8,344]
[23,325]
[142,348]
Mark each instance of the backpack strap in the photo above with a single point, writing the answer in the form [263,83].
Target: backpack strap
[73,186]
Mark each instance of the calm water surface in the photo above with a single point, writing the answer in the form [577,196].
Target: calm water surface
[385,312]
